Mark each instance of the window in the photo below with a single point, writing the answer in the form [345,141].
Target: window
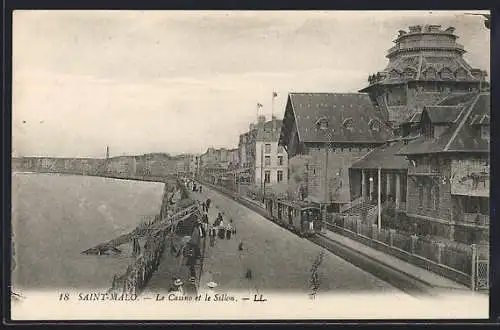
[280,176]
[374,125]
[436,197]
[420,196]
[430,73]
[280,160]
[429,196]
[267,176]
[485,132]
[409,73]
[280,149]
[322,123]
[348,124]
[446,74]
[461,74]
[267,160]
[394,74]
[267,148]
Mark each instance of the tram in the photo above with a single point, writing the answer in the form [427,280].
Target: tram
[303,218]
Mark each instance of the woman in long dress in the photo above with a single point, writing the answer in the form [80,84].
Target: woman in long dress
[222,229]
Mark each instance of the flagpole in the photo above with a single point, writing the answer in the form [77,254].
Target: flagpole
[272,105]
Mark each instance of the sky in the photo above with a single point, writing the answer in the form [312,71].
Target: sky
[183,81]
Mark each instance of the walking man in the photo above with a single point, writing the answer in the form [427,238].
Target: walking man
[191,289]
[212,234]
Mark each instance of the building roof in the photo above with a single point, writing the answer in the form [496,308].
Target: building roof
[414,118]
[385,157]
[461,136]
[440,114]
[350,117]
[415,56]
[457,99]
[266,132]
[480,119]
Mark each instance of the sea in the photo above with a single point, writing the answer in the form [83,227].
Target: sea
[56,217]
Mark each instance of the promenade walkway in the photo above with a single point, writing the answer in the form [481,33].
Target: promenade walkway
[437,282]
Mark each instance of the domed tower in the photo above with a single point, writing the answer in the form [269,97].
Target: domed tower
[425,66]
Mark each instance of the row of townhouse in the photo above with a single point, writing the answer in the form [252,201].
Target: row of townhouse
[258,161]
[82,166]
[217,165]
[158,165]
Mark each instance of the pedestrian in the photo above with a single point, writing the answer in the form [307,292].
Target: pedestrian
[229,230]
[201,189]
[204,218]
[136,248]
[211,288]
[221,228]
[191,262]
[208,203]
[191,289]
[219,218]
[177,287]
[233,227]
[213,234]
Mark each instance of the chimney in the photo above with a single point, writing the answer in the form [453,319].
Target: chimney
[261,120]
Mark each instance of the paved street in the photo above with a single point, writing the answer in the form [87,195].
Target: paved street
[278,259]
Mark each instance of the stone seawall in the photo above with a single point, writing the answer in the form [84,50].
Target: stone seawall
[177,207]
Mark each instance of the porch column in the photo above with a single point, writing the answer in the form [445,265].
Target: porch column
[387,186]
[398,190]
[363,185]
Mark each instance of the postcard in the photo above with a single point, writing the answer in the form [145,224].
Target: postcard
[250,165]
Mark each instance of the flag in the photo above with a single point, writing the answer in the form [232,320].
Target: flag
[259,105]
[275,94]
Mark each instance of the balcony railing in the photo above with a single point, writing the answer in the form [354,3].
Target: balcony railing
[425,44]
[477,219]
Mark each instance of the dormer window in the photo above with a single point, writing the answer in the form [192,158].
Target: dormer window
[461,74]
[348,124]
[322,123]
[446,74]
[409,73]
[430,73]
[374,125]
[485,132]
[394,74]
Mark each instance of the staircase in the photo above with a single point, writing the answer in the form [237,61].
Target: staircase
[359,208]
